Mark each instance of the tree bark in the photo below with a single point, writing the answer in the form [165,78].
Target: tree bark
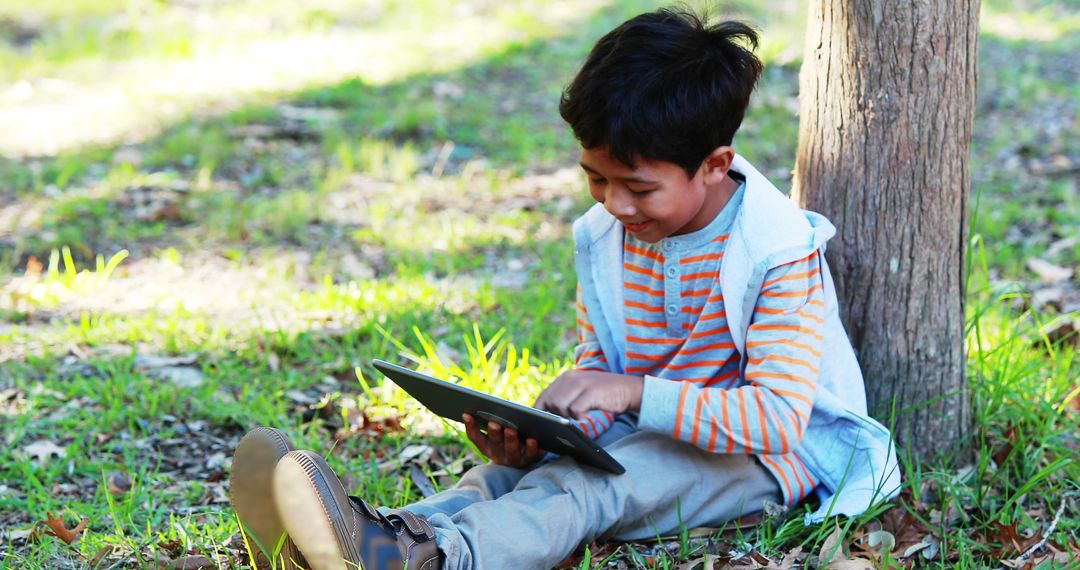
[887,98]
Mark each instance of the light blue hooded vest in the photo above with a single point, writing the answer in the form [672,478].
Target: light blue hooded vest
[849,452]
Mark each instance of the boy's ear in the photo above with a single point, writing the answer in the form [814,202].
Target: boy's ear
[716,165]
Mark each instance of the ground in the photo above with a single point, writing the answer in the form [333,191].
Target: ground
[214,214]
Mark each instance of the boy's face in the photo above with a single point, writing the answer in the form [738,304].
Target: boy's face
[654,200]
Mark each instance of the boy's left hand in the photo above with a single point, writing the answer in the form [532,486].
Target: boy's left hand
[577,392]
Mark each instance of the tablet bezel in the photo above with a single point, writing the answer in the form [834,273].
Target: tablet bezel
[449,400]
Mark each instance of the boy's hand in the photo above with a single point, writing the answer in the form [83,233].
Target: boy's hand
[502,445]
[576,392]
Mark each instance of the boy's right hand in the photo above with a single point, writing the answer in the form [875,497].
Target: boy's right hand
[502,445]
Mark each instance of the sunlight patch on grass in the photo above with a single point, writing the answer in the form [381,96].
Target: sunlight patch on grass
[140,97]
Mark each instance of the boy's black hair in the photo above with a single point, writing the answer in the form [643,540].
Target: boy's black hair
[665,85]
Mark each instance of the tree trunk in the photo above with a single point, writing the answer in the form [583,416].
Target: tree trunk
[887,94]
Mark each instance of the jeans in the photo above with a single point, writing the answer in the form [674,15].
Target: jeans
[499,518]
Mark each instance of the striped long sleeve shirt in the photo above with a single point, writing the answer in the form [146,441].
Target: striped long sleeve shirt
[759,407]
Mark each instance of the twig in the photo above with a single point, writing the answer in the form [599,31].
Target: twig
[444,157]
[1046,535]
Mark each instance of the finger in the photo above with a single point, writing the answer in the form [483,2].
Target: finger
[532,449]
[511,444]
[495,434]
[580,408]
[568,398]
[544,399]
[495,442]
[473,432]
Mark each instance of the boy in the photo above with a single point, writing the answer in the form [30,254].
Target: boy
[712,363]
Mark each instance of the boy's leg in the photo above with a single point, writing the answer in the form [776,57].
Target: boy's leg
[561,505]
[481,483]
[488,482]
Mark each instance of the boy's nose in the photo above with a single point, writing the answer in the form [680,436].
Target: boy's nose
[619,203]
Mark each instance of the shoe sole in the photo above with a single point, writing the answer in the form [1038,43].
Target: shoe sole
[251,488]
[310,499]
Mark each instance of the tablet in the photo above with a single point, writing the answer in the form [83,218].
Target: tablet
[554,433]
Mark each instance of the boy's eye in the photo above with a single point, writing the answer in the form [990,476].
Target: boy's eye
[641,190]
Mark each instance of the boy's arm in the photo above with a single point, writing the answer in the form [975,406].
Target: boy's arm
[589,356]
[783,352]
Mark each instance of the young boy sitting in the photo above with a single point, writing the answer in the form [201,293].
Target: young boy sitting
[712,363]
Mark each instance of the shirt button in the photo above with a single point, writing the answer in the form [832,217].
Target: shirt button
[672,271]
[672,309]
[668,245]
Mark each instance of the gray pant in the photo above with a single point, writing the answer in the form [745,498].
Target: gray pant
[498,517]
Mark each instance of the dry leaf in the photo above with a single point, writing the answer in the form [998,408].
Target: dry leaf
[1065,331]
[119,483]
[193,563]
[881,540]
[419,453]
[421,481]
[856,564]
[103,553]
[57,528]
[789,561]
[1048,271]
[146,361]
[22,533]
[774,509]
[932,548]
[1047,296]
[1012,541]
[707,562]
[831,549]
[42,450]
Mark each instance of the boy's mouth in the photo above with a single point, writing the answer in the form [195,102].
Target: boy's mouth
[635,228]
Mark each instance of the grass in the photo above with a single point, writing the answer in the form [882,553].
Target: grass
[419,212]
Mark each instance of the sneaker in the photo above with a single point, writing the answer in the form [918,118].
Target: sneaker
[339,532]
[251,490]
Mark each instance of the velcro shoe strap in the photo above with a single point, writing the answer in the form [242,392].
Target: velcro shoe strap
[366,509]
[418,527]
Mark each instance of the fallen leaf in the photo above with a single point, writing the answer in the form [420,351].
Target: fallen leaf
[855,564]
[181,376]
[193,563]
[832,549]
[1054,248]
[415,452]
[1064,331]
[707,562]
[1043,296]
[881,540]
[216,460]
[1048,271]
[774,509]
[421,481]
[300,397]
[119,483]
[57,528]
[927,546]
[146,361]
[42,450]
[20,534]
[1012,541]
[1002,452]
[790,559]
[103,553]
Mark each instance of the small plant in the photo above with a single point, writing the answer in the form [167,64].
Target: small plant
[61,281]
